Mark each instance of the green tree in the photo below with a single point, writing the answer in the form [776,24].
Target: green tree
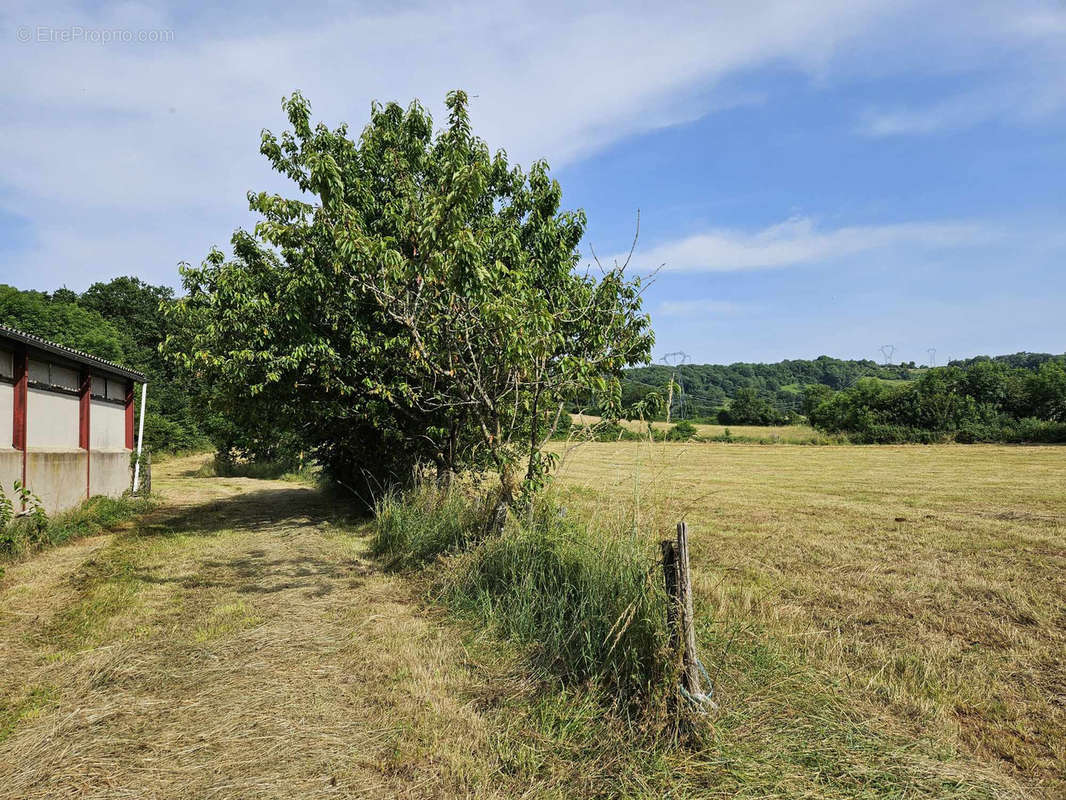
[424,307]
[751,407]
[61,321]
[175,420]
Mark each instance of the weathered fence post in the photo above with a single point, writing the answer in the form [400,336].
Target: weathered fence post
[679,613]
[671,579]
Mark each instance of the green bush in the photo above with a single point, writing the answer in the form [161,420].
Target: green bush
[418,526]
[587,604]
[682,432]
[26,535]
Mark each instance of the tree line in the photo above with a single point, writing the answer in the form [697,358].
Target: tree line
[987,400]
[764,394]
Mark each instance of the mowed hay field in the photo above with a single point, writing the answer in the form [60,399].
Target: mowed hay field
[881,621]
[797,434]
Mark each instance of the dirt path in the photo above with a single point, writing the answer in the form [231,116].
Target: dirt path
[237,644]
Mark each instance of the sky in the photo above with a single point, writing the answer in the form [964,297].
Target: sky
[820,177]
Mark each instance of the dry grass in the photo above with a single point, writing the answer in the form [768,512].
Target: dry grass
[888,623]
[236,644]
[891,619]
[786,434]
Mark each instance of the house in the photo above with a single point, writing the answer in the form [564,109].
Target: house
[70,428]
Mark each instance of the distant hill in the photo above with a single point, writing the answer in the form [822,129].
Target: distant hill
[708,387]
[1023,360]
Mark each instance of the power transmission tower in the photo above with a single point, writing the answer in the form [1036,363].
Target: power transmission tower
[888,350]
[932,356]
[675,360]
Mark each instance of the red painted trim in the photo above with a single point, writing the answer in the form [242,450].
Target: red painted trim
[129,416]
[84,415]
[22,384]
[18,436]
[84,409]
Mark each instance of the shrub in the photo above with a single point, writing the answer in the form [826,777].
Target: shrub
[96,515]
[415,527]
[586,603]
[682,432]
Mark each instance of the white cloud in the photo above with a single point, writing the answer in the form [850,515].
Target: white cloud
[161,139]
[798,241]
[1014,59]
[697,308]
[157,143]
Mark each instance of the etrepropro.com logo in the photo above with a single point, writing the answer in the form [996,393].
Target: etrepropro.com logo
[70,34]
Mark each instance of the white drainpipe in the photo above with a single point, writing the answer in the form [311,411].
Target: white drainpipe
[140,439]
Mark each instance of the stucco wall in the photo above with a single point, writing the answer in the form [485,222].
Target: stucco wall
[57,477]
[10,468]
[7,413]
[109,472]
[107,426]
[52,419]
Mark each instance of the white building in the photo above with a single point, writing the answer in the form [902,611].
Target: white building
[71,430]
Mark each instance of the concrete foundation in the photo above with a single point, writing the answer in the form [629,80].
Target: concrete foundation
[58,477]
[109,472]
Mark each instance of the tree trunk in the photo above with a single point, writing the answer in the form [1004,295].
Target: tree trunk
[498,517]
[445,478]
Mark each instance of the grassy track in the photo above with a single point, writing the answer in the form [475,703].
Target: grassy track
[237,644]
[882,622]
[888,621]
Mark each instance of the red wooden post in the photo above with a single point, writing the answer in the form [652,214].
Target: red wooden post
[22,378]
[129,416]
[84,409]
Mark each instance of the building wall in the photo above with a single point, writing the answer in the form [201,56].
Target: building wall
[7,414]
[107,426]
[10,469]
[58,477]
[109,472]
[57,468]
[52,419]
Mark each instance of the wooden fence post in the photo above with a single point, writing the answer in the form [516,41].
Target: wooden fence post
[691,675]
[679,613]
[671,579]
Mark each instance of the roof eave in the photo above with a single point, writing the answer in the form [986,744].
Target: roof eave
[36,342]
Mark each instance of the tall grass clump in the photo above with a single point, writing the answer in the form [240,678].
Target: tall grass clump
[585,603]
[415,527]
[27,535]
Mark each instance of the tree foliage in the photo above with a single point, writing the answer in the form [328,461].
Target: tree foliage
[988,401]
[417,302]
[60,319]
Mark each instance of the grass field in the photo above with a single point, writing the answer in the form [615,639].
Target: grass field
[880,622]
[883,621]
[798,434]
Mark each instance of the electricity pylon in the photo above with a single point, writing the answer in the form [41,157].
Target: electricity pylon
[674,360]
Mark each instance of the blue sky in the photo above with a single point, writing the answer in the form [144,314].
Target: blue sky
[812,177]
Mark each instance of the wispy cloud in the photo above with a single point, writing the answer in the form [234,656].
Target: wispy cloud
[1020,79]
[161,138]
[100,139]
[697,308]
[798,241]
